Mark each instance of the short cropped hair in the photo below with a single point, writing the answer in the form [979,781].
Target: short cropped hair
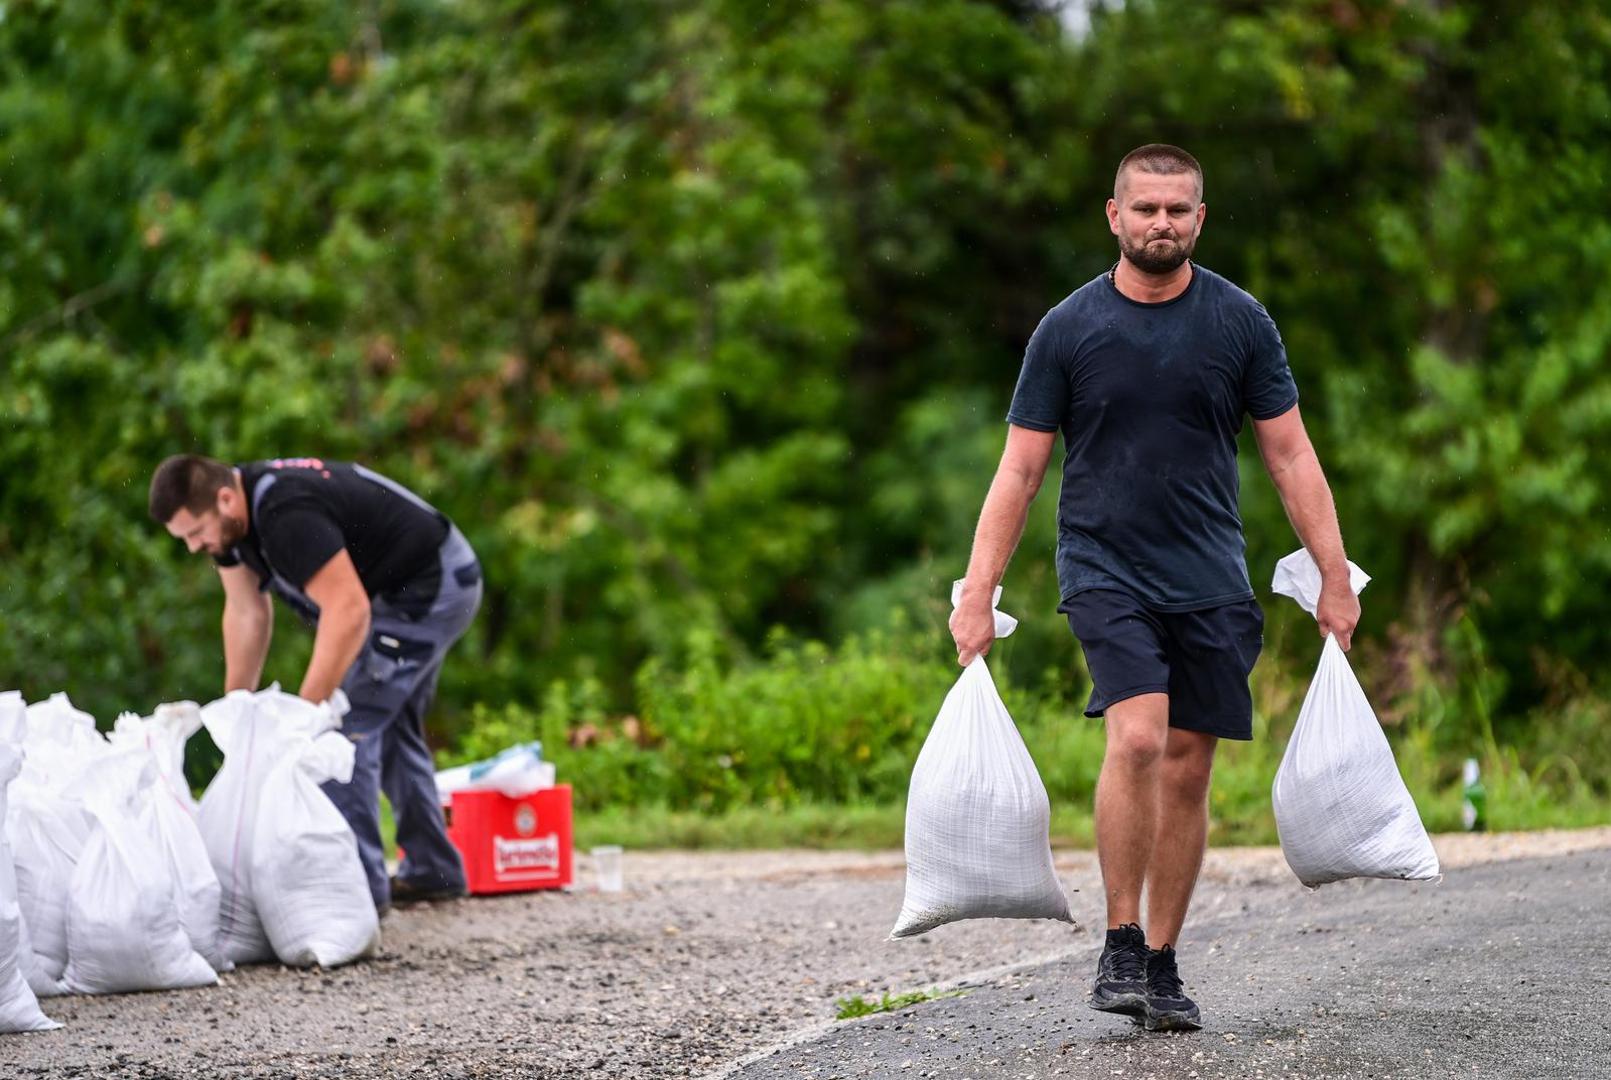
[189,482]
[1160,159]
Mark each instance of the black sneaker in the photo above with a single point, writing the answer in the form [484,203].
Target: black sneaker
[405,893]
[1168,1007]
[1121,973]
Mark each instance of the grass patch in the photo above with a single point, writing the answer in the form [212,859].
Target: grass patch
[854,827]
[1518,799]
[850,1008]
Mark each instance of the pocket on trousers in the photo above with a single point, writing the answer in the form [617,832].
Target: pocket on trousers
[390,655]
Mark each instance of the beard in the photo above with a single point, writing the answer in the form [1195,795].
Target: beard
[1158,257]
[230,533]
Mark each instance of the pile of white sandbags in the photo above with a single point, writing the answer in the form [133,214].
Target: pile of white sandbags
[113,879]
[103,861]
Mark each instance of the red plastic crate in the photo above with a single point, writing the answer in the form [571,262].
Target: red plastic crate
[513,845]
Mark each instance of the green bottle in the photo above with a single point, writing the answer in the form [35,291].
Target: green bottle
[1475,809]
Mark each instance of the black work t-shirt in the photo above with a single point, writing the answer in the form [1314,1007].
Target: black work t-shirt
[305,510]
[1149,398]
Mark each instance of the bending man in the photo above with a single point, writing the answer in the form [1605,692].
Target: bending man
[389,584]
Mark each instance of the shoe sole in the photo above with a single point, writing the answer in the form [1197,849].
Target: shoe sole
[407,898]
[1124,1004]
[1171,1021]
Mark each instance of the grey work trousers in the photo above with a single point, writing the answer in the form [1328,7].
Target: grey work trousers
[391,686]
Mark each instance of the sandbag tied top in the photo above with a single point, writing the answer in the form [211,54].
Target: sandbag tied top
[1298,576]
[61,741]
[164,734]
[1005,624]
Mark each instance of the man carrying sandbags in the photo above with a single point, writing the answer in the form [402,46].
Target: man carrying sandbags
[1147,371]
[390,584]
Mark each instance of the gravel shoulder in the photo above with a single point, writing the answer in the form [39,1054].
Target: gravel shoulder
[706,962]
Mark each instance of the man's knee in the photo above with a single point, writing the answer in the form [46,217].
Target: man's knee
[1188,763]
[1138,732]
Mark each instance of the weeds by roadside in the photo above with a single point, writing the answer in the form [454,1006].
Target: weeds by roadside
[851,1008]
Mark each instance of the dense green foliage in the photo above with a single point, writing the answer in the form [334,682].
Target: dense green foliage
[701,318]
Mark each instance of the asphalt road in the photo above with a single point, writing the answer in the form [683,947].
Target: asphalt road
[1502,970]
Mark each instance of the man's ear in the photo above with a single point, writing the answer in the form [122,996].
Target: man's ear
[1113,217]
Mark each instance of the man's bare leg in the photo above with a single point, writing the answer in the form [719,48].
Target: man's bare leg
[1182,832]
[1127,802]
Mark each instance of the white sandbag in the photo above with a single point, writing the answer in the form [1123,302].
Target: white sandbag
[45,839]
[43,873]
[1341,808]
[47,829]
[308,882]
[254,732]
[977,816]
[227,817]
[19,1006]
[123,929]
[161,738]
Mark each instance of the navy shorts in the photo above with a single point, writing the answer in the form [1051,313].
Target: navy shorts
[1201,659]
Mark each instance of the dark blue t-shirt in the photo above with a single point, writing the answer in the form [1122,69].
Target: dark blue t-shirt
[1149,398]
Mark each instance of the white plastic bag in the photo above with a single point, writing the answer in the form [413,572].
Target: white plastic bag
[227,817]
[1341,807]
[308,881]
[516,771]
[19,1006]
[123,929]
[977,816]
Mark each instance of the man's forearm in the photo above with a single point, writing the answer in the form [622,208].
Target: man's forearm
[336,645]
[1307,498]
[1001,526]
[246,642]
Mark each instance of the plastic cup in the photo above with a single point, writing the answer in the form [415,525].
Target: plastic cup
[607,865]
